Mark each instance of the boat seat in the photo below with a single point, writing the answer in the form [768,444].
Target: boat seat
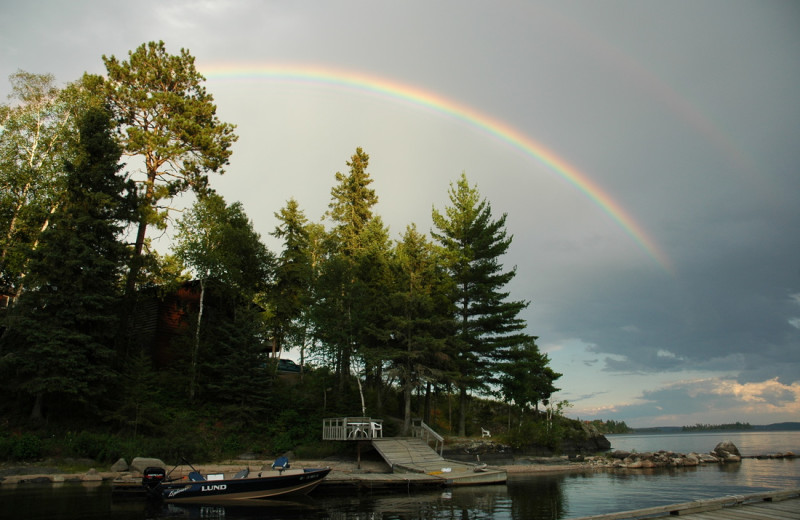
[196,477]
[281,463]
[243,473]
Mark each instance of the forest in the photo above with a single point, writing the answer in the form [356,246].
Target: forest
[418,326]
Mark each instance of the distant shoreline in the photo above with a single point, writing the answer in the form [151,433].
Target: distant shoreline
[775,427]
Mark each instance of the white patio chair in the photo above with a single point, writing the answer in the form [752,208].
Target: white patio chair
[485,433]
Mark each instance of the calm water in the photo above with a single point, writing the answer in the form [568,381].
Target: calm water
[749,443]
[524,497]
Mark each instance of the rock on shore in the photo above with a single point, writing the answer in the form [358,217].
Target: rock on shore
[724,453]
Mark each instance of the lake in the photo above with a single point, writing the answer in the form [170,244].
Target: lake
[550,496]
[749,443]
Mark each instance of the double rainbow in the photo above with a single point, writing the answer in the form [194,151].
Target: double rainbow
[350,80]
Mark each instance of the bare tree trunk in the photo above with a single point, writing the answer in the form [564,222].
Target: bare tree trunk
[407,408]
[36,412]
[462,412]
[196,349]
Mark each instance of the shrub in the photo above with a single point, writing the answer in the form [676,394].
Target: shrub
[25,447]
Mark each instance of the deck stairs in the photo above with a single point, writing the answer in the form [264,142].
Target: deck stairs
[414,455]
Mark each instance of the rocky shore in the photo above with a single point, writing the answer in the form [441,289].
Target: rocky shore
[497,454]
[494,454]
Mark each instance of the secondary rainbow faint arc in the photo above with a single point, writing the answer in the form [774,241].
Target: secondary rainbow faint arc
[346,79]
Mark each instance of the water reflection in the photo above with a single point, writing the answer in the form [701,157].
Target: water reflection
[551,496]
[541,498]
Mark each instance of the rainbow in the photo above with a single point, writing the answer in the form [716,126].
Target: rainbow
[350,80]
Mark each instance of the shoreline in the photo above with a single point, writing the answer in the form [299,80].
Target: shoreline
[12,475]
[48,475]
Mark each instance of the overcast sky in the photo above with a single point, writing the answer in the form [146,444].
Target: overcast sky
[647,154]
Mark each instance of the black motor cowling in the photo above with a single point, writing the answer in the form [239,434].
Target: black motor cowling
[153,476]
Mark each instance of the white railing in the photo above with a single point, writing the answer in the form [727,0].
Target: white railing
[351,428]
[423,431]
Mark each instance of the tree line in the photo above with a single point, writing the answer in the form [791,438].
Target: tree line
[381,320]
[737,426]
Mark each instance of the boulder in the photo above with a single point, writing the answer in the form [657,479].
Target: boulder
[708,458]
[120,465]
[726,448]
[139,464]
[92,476]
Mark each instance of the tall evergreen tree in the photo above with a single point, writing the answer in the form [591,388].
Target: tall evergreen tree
[350,210]
[60,337]
[290,293]
[351,203]
[421,316]
[371,303]
[487,322]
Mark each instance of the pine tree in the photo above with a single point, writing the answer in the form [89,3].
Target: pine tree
[526,377]
[337,311]
[486,322]
[420,316]
[167,118]
[290,294]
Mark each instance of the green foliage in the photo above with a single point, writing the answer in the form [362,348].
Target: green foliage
[61,331]
[536,433]
[37,135]
[165,117]
[526,377]
[26,446]
[218,242]
[290,295]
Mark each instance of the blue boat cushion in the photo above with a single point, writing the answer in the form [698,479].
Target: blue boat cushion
[281,463]
[243,473]
[195,476]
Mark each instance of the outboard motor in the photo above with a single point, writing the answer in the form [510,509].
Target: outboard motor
[152,477]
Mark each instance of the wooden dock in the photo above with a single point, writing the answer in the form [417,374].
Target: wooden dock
[412,455]
[770,505]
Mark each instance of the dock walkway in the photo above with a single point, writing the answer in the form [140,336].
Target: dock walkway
[414,455]
[770,505]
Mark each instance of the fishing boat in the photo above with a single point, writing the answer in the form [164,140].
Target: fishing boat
[281,481]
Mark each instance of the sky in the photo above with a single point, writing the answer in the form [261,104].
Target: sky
[646,153]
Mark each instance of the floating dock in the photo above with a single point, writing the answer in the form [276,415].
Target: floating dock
[770,505]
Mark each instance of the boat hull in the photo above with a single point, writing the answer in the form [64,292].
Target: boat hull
[292,482]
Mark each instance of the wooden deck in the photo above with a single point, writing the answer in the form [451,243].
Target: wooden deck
[351,428]
[413,455]
[771,505]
